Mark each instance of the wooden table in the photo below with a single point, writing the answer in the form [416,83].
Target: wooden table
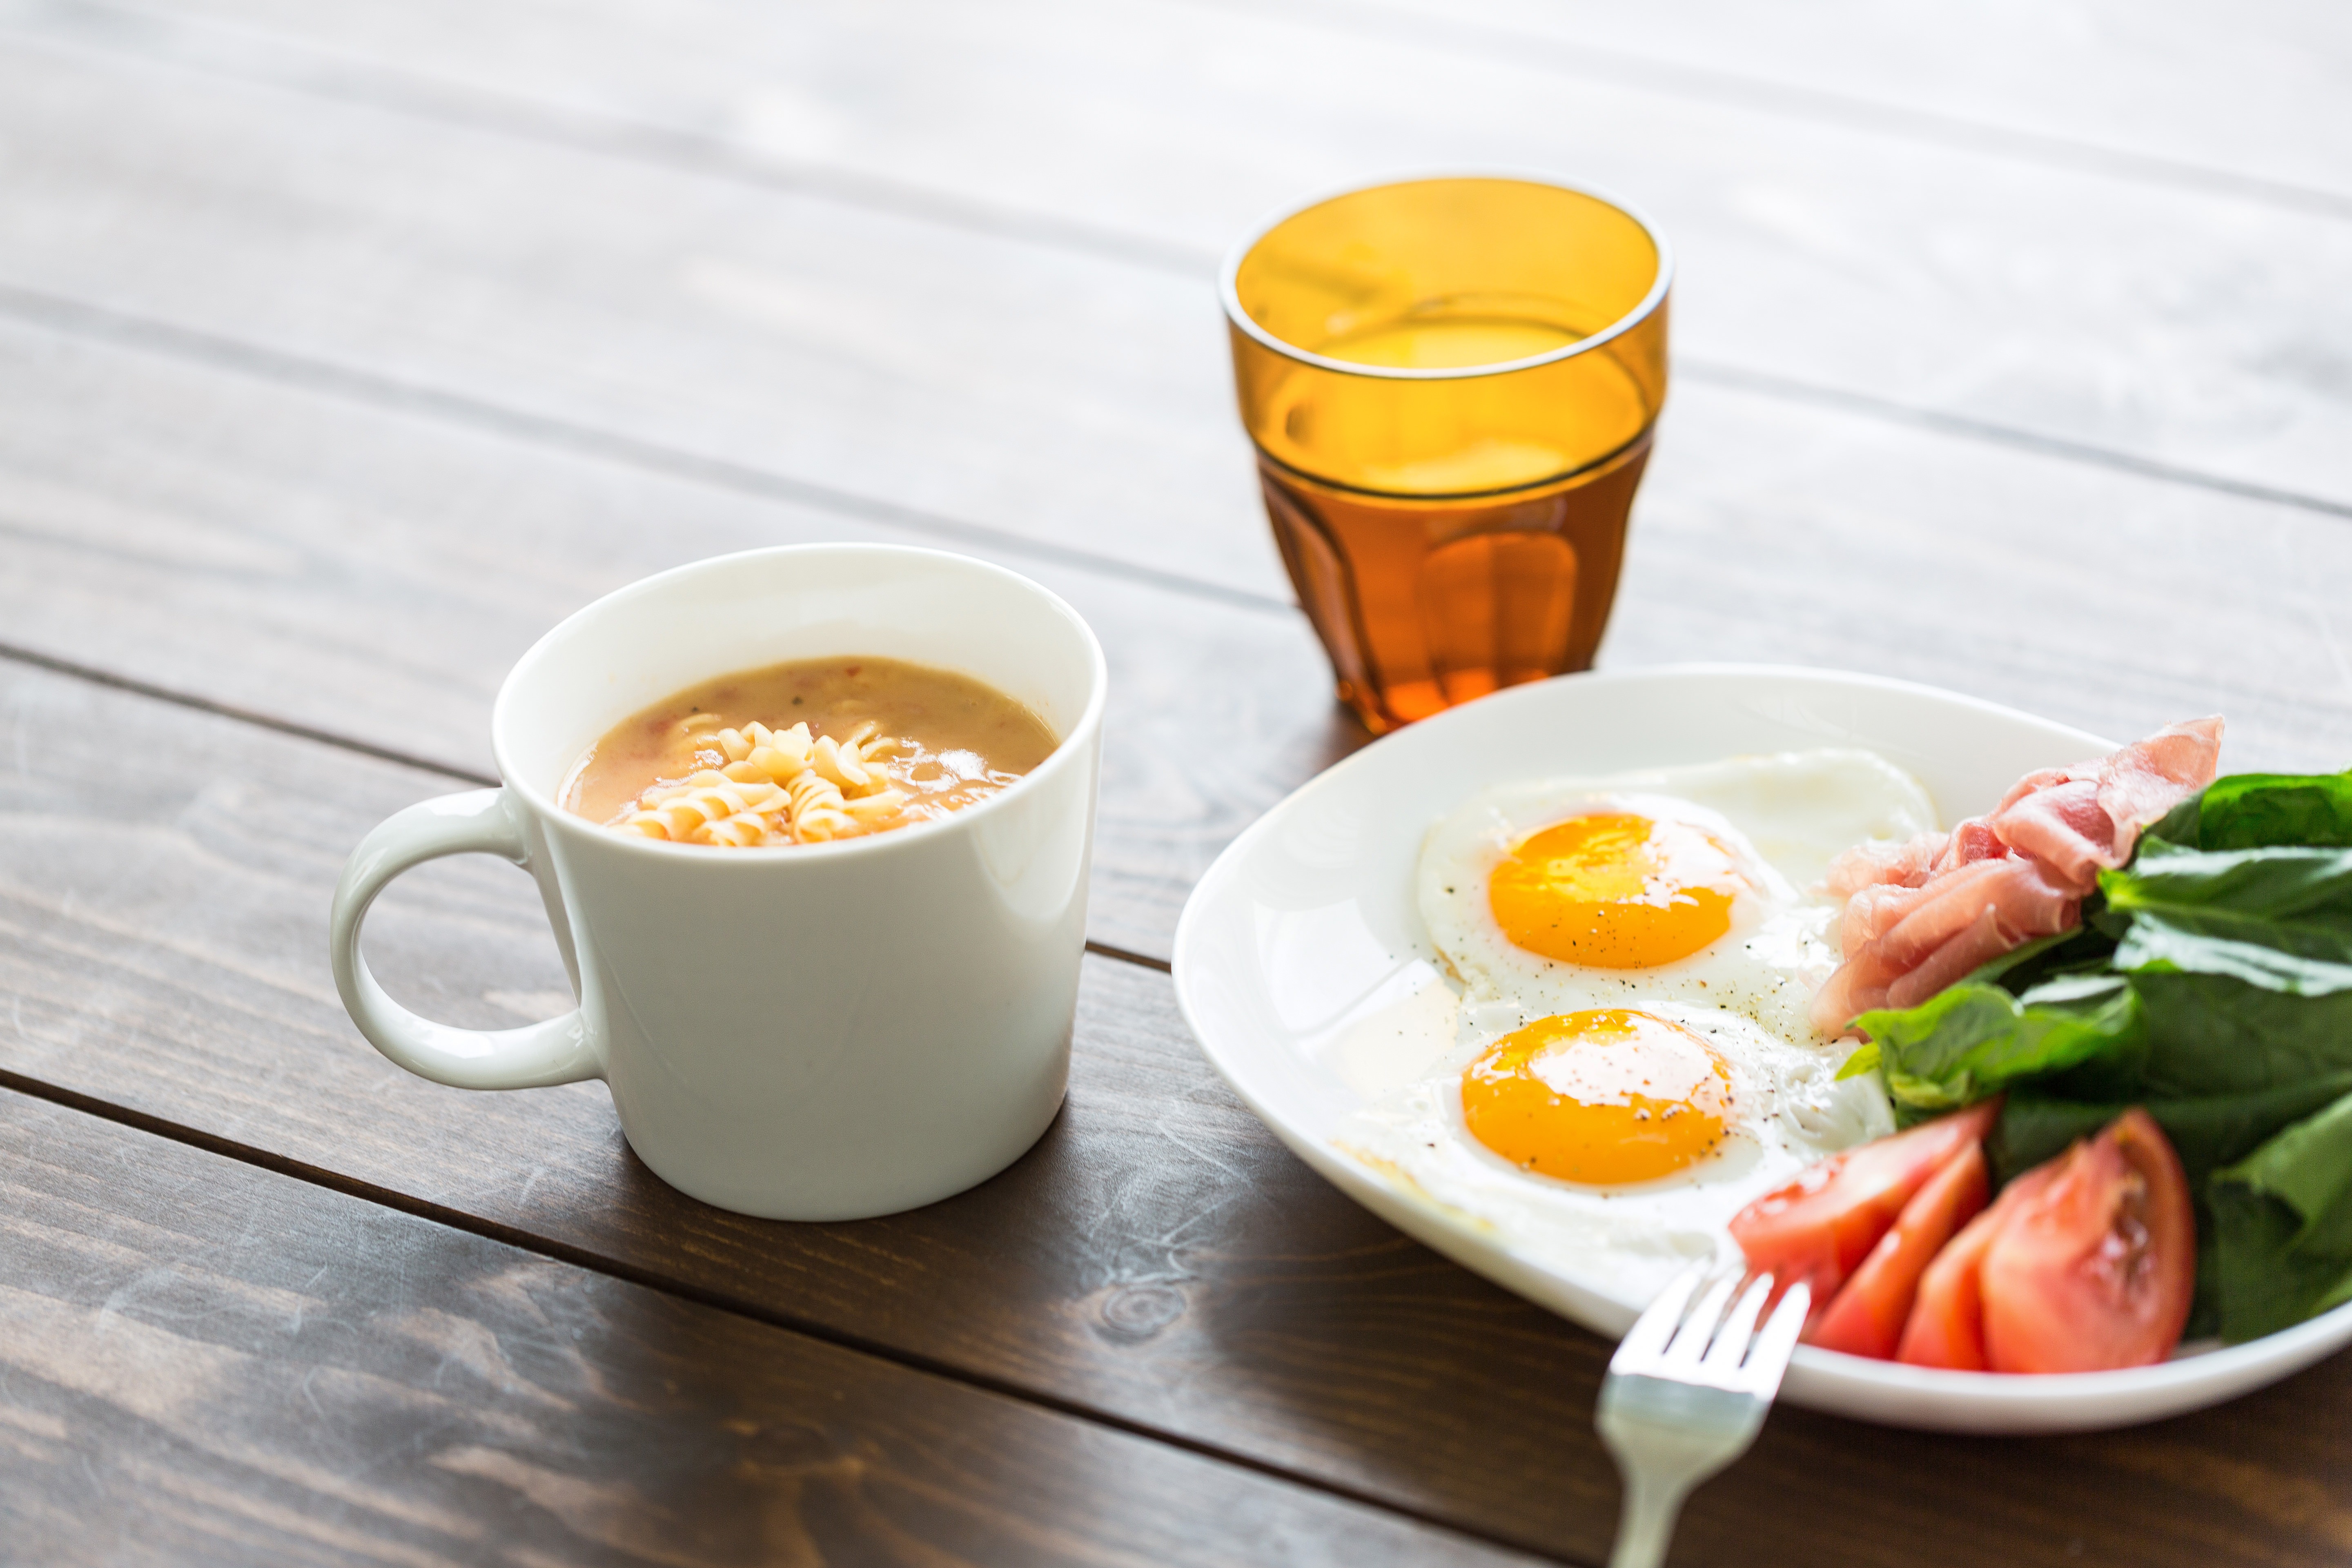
[344,348]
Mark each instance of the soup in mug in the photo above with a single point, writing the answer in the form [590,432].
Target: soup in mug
[805,752]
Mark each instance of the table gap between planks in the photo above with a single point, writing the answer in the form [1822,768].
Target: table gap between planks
[343,349]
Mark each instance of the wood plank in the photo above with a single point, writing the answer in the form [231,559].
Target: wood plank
[2168,93]
[2270,656]
[2160,92]
[201,1362]
[2191,327]
[2116,603]
[375,576]
[995,381]
[1301,1393]
[372,575]
[1158,1257]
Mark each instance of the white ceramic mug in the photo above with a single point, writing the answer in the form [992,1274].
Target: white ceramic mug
[824,1031]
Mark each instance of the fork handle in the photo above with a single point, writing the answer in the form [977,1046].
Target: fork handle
[1646,1524]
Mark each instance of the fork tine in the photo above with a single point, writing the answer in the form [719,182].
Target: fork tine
[1670,1419]
[1731,1339]
[1769,1357]
[1698,1329]
[1646,1339]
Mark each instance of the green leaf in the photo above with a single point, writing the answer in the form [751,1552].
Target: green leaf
[2217,1034]
[1864,1059]
[1971,1040]
[2179,826]
[2245,811]
[2085,947]
[2308,1166]
[2282,1227]
[2298,901]
[2208,1131]
[2167,945]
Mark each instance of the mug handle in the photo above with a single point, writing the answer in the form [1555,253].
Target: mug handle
[480,821]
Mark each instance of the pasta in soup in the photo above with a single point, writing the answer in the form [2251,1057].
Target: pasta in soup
[806,753]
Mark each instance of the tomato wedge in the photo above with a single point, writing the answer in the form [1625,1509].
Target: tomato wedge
[1821,1226]
[1946,1327]
[1869,1312]
[2095,1269]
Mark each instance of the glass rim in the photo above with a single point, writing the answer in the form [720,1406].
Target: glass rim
[1229,275]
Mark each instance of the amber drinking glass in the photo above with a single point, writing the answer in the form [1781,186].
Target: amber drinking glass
[1452,384]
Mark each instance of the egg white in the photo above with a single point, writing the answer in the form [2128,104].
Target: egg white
[1788,1110]
[1783,818]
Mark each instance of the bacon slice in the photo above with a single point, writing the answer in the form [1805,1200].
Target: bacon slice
[1912,862]
[2077,820]
[1928,937]
[1880,864]
[1877,876]
[1868,914]
[2062,826]
[2143,782]
[1980,941]
[2046,778]
[1920,915]
[1971,841]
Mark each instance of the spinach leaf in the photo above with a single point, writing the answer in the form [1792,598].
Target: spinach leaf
[2282,1227]
[2203,1034]
[2298,901]
[2018,971]
[2242,960]
[2208,1131]
[2183,825]
[1973,1039]
[2159,944]
[2245,811]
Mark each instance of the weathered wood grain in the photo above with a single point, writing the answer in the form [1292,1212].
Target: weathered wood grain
[2117,604]
[997,381]
[590,292]
[1158,1257]
[2187,326]
[2164,93]
[2103,562]
[2169,94]
[201,1362]
[375,576]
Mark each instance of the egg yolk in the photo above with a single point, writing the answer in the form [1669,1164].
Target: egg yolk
[1603,1096]
[1615,891]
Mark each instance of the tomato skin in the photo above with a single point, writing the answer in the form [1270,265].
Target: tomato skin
[1946,1327]
[1821,1226]
[2095,1269]
[1867,1317]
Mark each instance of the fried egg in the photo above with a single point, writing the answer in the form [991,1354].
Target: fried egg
[1631,1061]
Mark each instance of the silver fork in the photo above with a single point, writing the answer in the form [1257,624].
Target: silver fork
[1685,1395]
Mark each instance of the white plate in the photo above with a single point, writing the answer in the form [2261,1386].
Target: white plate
[1306,926]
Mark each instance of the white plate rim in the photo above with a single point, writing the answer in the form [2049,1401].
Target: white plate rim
[1870,1390]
